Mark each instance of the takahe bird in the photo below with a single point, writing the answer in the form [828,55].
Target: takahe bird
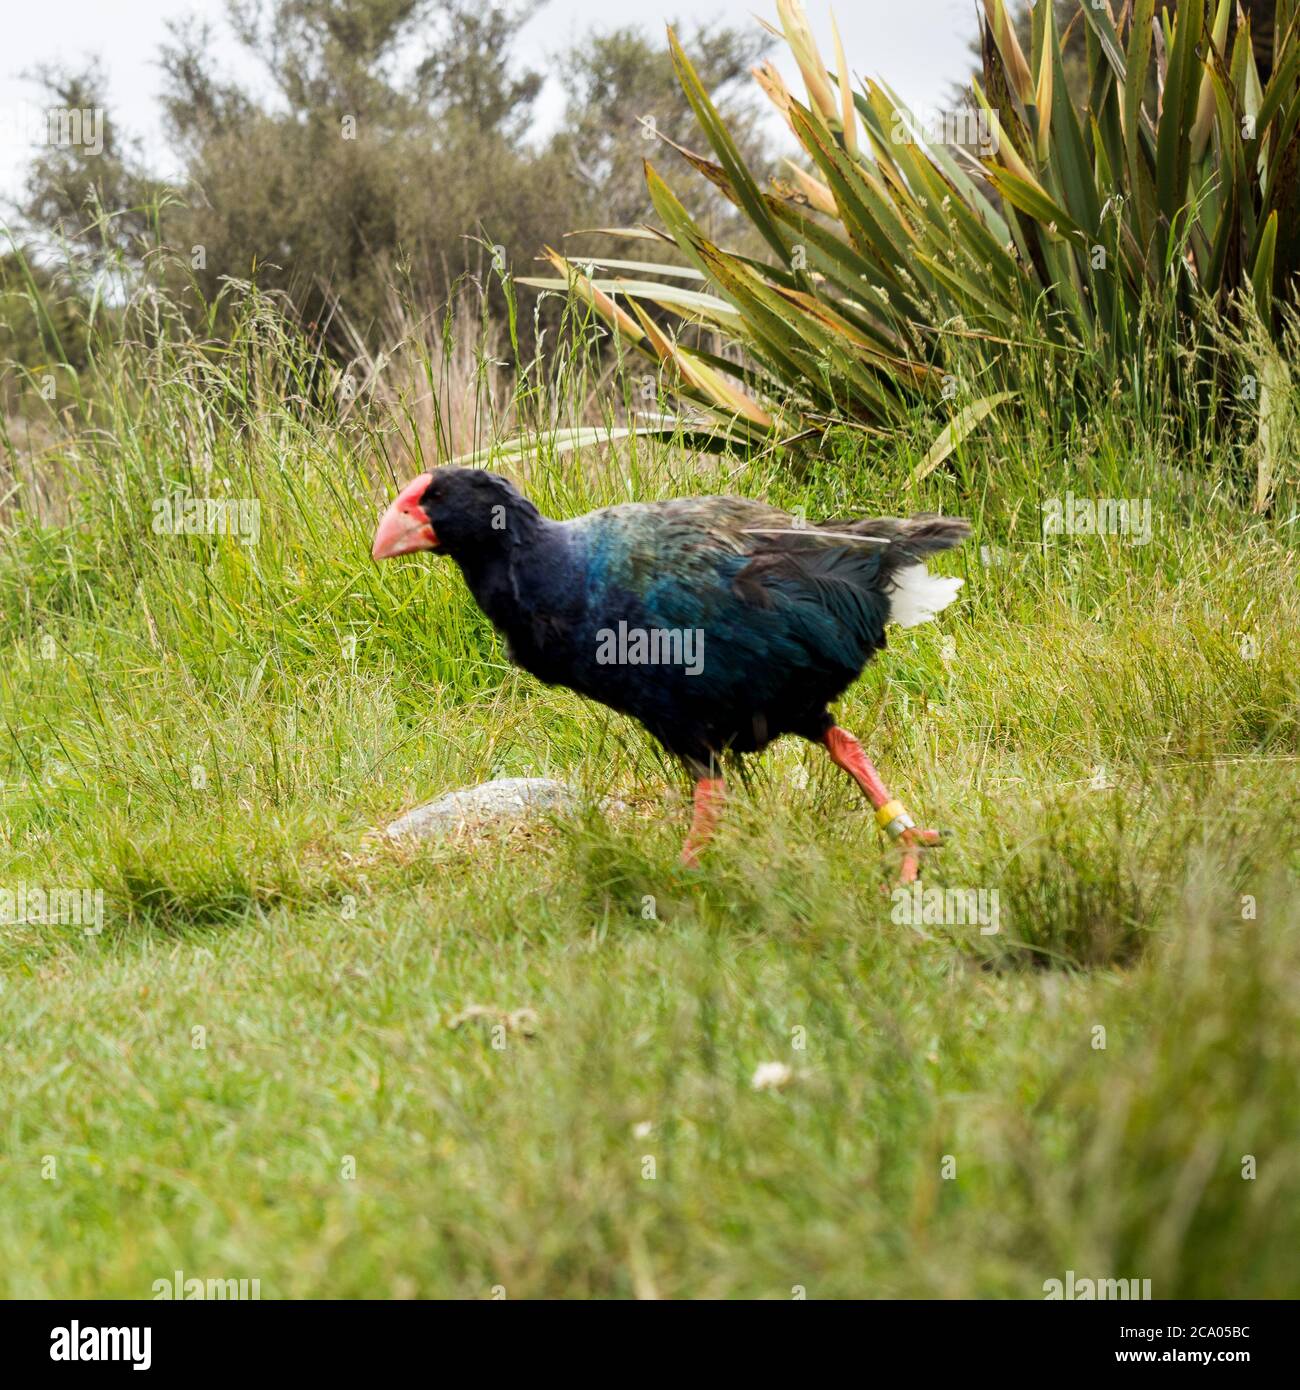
[718,622]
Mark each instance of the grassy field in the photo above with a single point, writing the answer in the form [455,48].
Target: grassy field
[262,1067]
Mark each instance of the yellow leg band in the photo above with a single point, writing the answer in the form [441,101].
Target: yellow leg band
[893,819]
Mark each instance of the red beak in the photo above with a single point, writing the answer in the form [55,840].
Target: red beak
[404,526]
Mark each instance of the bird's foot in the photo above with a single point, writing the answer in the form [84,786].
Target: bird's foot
[913,840]
[710,792]
[893,819]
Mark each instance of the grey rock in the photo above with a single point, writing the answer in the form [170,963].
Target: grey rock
[504,799]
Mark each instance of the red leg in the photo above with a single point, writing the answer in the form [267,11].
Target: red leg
[847,753]
[710,793]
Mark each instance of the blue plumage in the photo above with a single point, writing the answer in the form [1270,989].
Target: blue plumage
[718,622]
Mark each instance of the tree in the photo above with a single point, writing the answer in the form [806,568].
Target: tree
[622,91]
[351,163]
[88,187]
[392,139]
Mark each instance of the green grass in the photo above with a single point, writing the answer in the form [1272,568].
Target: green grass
[1118,762]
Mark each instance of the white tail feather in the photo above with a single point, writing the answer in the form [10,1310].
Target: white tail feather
[918,595]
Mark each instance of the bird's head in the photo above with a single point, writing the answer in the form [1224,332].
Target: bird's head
[462,512]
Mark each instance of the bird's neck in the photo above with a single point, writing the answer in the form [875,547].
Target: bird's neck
[490,580]
[511,579]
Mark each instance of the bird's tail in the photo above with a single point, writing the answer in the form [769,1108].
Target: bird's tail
[915,595]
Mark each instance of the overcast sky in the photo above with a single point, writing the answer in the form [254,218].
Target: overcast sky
[918,47]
